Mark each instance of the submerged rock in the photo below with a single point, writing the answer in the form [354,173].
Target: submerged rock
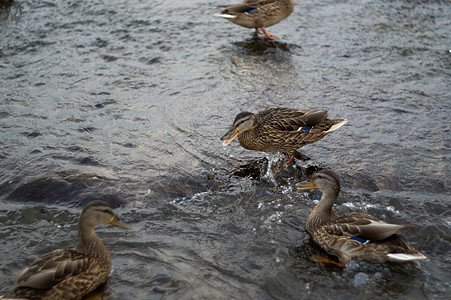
[69,187]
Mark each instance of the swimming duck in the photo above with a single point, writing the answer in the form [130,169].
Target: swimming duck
[258,13]
[280,129]
[355,234]
[71,274]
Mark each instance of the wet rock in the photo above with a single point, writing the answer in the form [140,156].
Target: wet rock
[70,187]
[362,180]
[180,187]
[258,169]
[42,189]
[360,279]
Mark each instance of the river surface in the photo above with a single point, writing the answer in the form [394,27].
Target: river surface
[126,101]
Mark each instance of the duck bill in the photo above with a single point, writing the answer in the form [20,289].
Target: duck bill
[118,223]
[229,136]
[305,185]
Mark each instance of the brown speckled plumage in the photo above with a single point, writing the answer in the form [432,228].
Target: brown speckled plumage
[355,234]
[71,274]
[258,13]
[277,129]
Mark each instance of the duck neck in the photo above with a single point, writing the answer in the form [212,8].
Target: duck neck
[247,139]
[90,244]
[323,212]
[251,139]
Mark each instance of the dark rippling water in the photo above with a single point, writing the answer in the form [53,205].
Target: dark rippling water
[126,101]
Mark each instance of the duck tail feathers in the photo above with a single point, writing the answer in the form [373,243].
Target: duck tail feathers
[225,16]
[405,257]
[340,122]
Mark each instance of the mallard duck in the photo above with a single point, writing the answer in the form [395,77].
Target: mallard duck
[355,234]
[280,129]
[71,274]
[258,13]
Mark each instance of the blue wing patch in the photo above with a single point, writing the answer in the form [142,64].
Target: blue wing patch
[250,10]
[359,239]
[307,128]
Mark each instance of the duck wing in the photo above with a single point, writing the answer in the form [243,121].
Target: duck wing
[287,119]
[363,226]
[245,6]
[53,268]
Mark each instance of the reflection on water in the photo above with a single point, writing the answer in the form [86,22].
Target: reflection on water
[257,46]
[126,102]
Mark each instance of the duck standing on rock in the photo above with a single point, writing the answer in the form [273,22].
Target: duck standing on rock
[258,13]
[71,274]
[355,235]
[281,129]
